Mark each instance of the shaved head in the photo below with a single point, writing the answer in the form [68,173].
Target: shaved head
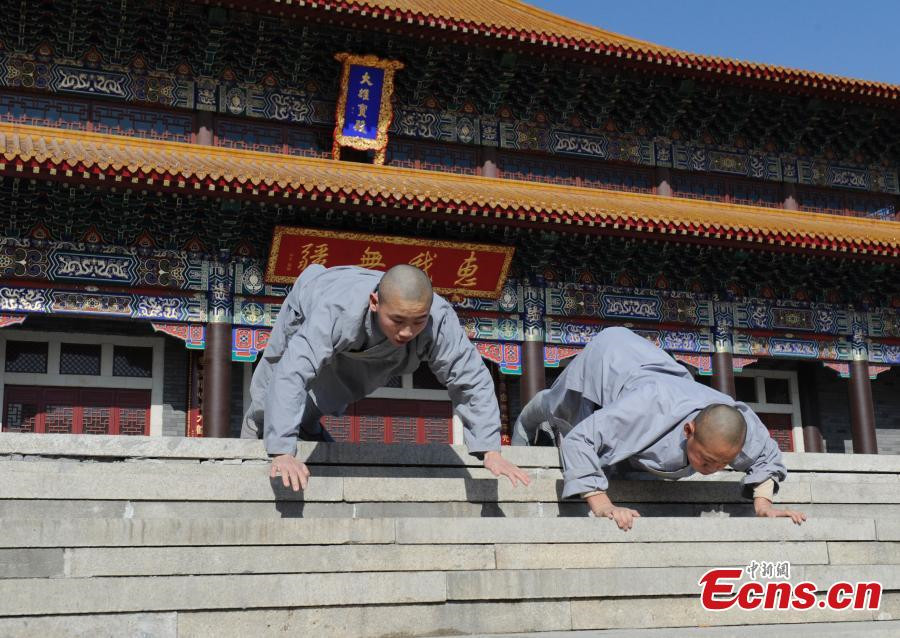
[402,303]
[721,426]
[405,283]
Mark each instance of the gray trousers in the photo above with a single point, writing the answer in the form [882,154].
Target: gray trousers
[254,420]
[534,420]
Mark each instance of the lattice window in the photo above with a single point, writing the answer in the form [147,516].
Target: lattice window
[132,361]
[371,429]
[254,137]
[432,157]
[537,170]
[695,188]
[79,358]
[96,420]
[849,204]
[757,195]
[36,111]
[401,154]
[144,123]
[437,429]
[339,427]
[617,179]
[59,419]
[76,410]
[448,160]
[783,437]
[133,421]
[20,417]
[403,421]
[779,427]
[26,356]
[306,143]
[404,429]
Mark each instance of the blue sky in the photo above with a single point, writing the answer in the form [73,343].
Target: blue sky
[855,38]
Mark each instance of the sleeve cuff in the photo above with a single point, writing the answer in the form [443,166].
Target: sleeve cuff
[766,490]
[577,483]
[280,446]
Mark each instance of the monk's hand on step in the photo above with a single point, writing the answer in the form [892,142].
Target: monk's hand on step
[764,509]
[602,507]
[499,466]
[623,516]
[293,473]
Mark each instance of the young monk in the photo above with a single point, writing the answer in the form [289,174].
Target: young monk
[343,332]
[622,398]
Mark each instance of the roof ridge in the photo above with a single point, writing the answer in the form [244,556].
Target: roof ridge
[508,18]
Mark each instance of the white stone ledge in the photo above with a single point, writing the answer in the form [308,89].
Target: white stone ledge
[590,530]
[99,532]
[104,446]
[39,596]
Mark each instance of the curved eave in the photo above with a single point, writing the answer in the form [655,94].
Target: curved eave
[37,152]
[510,20]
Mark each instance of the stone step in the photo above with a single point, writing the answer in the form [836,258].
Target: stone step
[686,611]
[92,532]
[849,553]
[531,584]
[44,596]
[680,616]
[61,480]
[581,530]
[407,471]
[89,532]
[867,629]
[53,508]
[113,447]
[82,562]
[352,621]
[458,619]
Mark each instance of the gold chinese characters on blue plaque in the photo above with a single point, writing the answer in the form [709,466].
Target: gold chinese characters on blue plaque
[364,109]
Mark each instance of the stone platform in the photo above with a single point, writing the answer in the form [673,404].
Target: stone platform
[164,537]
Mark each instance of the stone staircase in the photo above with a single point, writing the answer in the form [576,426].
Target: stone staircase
[164,537]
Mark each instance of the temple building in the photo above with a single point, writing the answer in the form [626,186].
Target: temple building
[167,169]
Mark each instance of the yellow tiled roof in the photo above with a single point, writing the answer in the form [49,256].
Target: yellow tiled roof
[511,19]
[37,151]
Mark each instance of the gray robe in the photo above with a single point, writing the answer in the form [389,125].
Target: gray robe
[326,351]
[623,398]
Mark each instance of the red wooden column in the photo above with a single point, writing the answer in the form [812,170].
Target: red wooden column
[217,355]
[862,410]
[533,378]
[722,358]
[217,380]
[723,372]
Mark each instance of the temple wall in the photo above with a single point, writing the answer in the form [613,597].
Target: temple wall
[175,389]
[886,397]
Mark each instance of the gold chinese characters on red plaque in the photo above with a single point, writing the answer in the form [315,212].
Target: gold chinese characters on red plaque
[455,268]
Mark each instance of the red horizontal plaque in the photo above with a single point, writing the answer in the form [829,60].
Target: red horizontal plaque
[455,268]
